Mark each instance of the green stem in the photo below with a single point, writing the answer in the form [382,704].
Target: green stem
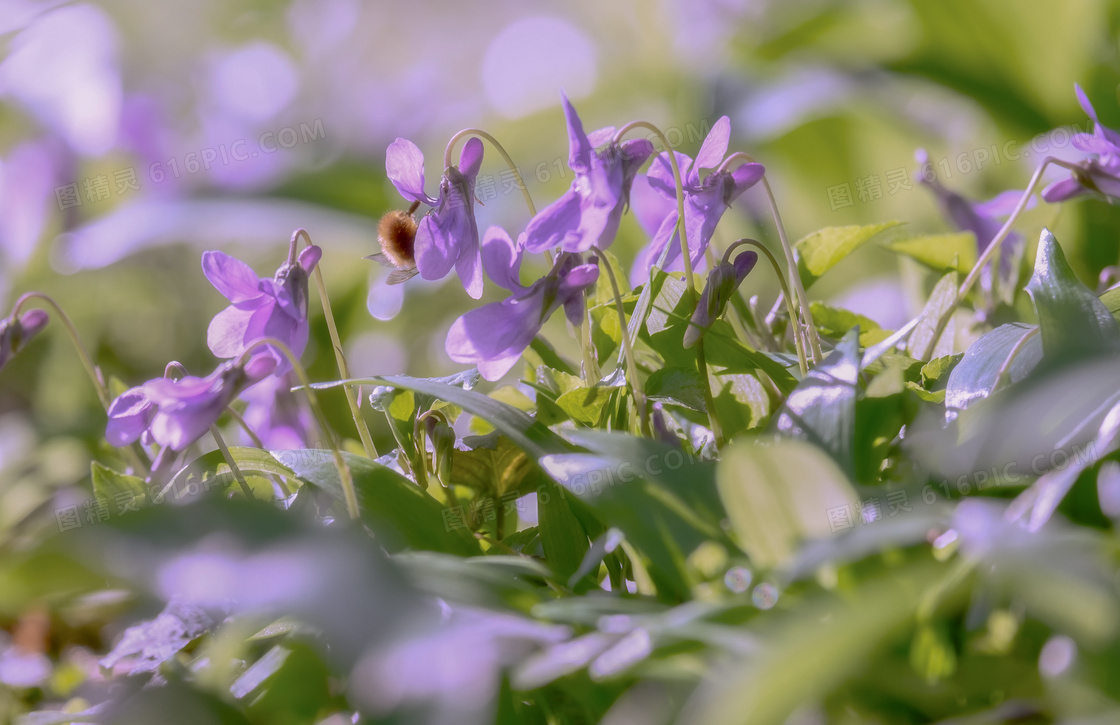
[339,356]
[231,463]
[349,494]
[631,365]
[449,151]
[797,340]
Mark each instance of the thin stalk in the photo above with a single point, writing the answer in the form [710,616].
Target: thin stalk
[797,340]
[631,365]
[349,494]
[339,356]
[449,151]
[231,463]
[245,427]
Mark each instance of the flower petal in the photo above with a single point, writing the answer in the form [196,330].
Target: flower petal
[470,161]
[404,165]
[494,335]
[469,268]
[715,146]
[649,205]
[579,147]
[310,257]
[1003,204]
[501,259]
[227,332]
[434,256]
[744,178]
[233,278]
[1062,190]
[129,416]
[555,225]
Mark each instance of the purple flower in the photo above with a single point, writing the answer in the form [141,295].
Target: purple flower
[176,413]
[589,212]
[1099,172]
[16,332]
[494,336]
[275,415]
[980,218]
[447,235]
[655,199]
[274,307]
[722,282]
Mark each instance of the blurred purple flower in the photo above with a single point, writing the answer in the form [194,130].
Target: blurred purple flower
[16,332]
[447,235]
[1099,172]
[722,282]
[274,307]
[494,336]
[655,199]
[980,218]
[176,413]
[275,415]
[589,212]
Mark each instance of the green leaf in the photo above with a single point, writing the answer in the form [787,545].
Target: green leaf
[210,471]
[941,252]
[493,465]
[944,296]
[835,322]
[585,405]
[823,249]
[976,375]
[120,488]
[676,386]
[1073,321]
[741,402]
[562,537]
[778,495]
[822,409]
[397,510]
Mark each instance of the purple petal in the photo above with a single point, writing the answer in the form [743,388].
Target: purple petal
[32,322]
[501,259]
[227,331]
[404,165]
[743,265]
[469,268]
[434,257]
[129,416]
[260,367]
[715,146]
[1062,190]
[553,225]
[1093,144]
[649,205]
[744,178]
[1086,105]
[310,257]
[660,173]
[600,136]
[1002,204]
[233,278]
[494,335]
[579,147]
[470,161]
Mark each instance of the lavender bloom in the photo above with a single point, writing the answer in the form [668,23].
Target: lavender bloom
[275,415]
[448,235]
[176,413]
[655,199]
[274,307]
[1100,171]
[494,336]
[589,212]
[722,282]
[15,333]
[980,218]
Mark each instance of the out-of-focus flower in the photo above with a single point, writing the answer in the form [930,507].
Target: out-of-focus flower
[274,413]
[589,212]
[29,175]
[274,307]
[655,199]
[176,413]
[1099,172]
[16,332]
[447,236]
[722,282]
[494,336]
[980,218]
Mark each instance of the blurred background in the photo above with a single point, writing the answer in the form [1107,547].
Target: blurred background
[135,135]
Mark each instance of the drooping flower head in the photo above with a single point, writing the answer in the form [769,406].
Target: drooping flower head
[980,218]
[16,332]
[1099,171]
[723,280]
[260,307]
[176,413]
[274,413]
[494,335]
[706,199]
[447,236]
[588,213]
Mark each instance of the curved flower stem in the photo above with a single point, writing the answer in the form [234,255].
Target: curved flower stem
[631,365]
[347,480]
[993,247]
[808,327]
[450,150]
[231,463]
[87,361]
[797,339]
[339,356]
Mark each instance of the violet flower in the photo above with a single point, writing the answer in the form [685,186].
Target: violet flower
[16,332]
[722,282]
[588,213]
[494,335]
[1099,172]
[274,413]
[275,307]
[448,234]
[980,218]
[654,199]
[176,413]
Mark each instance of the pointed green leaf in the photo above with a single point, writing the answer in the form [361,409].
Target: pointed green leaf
[921,345]
[941,252]
[823,249]
[1006,350]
